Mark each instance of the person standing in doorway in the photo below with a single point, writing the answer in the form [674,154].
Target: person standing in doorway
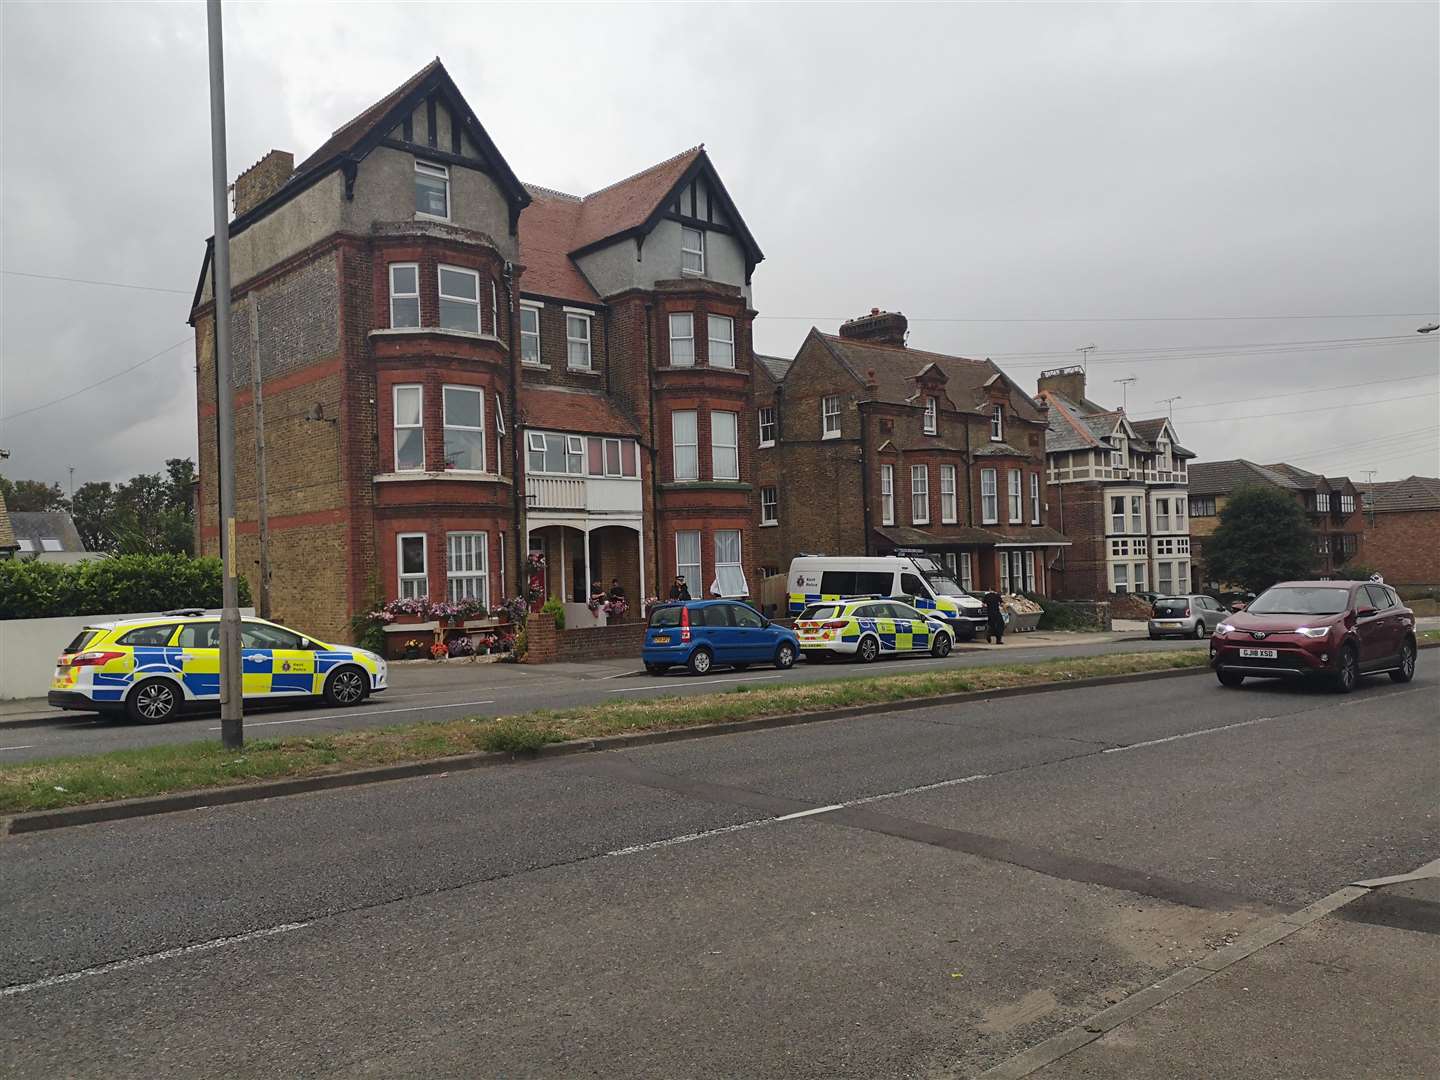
[995,627]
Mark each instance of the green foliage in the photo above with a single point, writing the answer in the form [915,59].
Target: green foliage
[522,643]
[26,496]
[1354,573]
[1263,537]
[1058,615]
[368,632]
[516,737]
[554,607]
[119,585]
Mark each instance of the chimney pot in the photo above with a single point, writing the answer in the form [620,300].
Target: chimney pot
[881,327]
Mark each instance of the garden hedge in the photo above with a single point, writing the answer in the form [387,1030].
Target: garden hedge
[115,586]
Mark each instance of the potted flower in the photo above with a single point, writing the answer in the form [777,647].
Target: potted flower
[414,649]
[461,646]
[484,643]
[439,651]
[615,608]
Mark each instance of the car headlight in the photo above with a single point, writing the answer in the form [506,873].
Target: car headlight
[1224,628]
[1313,631]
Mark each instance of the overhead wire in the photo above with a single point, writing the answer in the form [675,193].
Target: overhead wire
[71,394]
[93,281]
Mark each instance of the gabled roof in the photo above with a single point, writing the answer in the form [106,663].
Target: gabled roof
[777,366]
[896,366]
[1223,477]
[566,226]
[38,525]
[1412,493]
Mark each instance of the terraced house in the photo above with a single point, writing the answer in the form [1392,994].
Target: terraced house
[1332,505]
[866,446]
[1119,494]
[458,370]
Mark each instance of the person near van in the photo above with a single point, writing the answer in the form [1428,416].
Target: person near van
[678,589]
[995,627]
[616,592]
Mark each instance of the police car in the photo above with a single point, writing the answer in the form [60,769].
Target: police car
[152,668]
[868,629]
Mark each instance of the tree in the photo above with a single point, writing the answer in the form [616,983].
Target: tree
[23,496]
[1263,537]
[149,514]
[93,509]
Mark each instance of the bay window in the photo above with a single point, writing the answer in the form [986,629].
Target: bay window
[459,299]
[729,573]
[687,560]
[466,576]
[1117,513]
[404,294]
[682,339]
[409,428]
[724,446]
[1137,514]
[685,443]
[722,341]
[464,421]
[410,554]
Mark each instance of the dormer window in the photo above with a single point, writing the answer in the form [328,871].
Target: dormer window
[997,424]
[1163,449]
[1118,455]
[692,250]
[432,191]
[932,417]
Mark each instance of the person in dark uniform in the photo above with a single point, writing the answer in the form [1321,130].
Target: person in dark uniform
[616,592]
[996,626]
[679,590]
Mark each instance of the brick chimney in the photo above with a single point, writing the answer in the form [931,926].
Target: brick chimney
[1068,382]
[263,179]
[881,327]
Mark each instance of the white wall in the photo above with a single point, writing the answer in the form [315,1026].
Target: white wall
[29,647]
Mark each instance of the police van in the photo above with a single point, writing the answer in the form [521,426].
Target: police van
[920,581]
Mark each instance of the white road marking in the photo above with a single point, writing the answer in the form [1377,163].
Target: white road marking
[149,958]
[698,682]
[671,841]
[808,813]
[27,746]
[368,712]
[919,788]
[1186,735]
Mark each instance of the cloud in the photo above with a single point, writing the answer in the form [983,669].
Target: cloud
[962,163]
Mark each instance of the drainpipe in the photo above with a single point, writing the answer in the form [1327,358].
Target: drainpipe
[517,494]
[654,455]
[865,475]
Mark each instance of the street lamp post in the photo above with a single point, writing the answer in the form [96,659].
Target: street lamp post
[232,716]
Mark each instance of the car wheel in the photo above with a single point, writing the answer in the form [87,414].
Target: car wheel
[153,701]
[346,686]
[1199,629]
[1348,674]
[700,662]
[1406,671]
[656,669]
[941,647]
[785,656]
[868,650]
[1231,679]
[1154,636]
[965,632]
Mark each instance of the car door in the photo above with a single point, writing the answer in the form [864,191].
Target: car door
[276,662]
[710,625]
[911,627]
[199,659]
[1389,623]
[1369,629]
[754,639]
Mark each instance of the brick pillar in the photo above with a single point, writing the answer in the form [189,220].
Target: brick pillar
[541,638]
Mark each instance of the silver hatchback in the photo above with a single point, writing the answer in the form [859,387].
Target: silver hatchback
[1193,616]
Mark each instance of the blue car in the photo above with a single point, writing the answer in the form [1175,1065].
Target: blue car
[700,634]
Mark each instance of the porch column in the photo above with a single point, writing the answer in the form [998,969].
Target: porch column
[564,596]
[640,548]
[588,576]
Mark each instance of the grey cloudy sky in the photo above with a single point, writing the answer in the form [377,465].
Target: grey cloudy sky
[989,170]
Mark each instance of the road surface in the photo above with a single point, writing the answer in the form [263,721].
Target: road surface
[913,893]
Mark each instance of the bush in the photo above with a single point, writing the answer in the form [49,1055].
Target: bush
[554,607]
[116,586]
[1058,615]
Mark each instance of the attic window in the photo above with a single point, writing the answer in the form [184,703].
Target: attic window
[692,251]
[432,190]
[997,424]
[932,419]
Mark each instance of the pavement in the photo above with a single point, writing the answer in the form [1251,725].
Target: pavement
[917,893]
[425,691]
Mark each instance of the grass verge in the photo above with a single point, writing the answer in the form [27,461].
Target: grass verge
[1429,635]
[124,774]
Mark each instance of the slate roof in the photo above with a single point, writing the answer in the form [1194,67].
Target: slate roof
[1223,477]
[895,367]
[1412,493]
[906,536]
[578,411]
[38,525]
[1084,425]
[7,534]
[777,366]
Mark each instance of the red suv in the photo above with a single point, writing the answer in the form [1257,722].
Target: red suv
[1339,630]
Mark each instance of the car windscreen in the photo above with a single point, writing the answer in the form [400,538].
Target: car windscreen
[1171,606]
[820,611]
[78,643]
[666,616]
[1300,600]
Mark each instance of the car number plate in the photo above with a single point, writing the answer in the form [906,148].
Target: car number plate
[661,639]
[1168,622]
[1259,654]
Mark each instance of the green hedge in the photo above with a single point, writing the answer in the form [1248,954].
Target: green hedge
[117,586]
[1059,615]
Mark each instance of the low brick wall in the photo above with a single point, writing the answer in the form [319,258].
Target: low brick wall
[545,644]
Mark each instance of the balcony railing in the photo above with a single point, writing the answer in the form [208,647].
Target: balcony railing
[582,494]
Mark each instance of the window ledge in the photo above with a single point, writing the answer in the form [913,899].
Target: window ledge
[433,331]
[767,445]
[769,524]
[705,368]
[528,365]
[829,435]
[706,485]
[447,474]
[582,371]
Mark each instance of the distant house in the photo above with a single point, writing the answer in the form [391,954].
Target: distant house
[1332,504]
[8,544]
[49,536]
[1402,529]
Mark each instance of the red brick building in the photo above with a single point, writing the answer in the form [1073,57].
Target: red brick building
[1119,495]
[1402,529]
[868,447]
[459,370]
